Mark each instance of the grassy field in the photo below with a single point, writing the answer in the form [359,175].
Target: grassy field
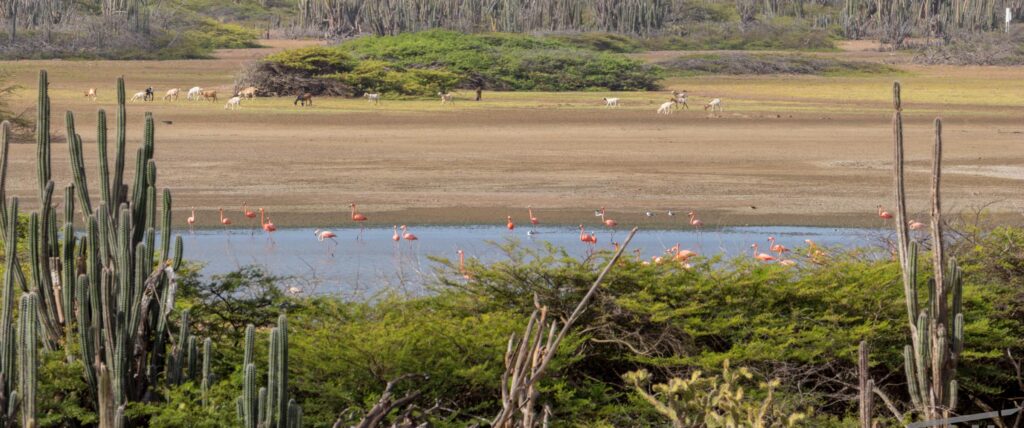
[801,149]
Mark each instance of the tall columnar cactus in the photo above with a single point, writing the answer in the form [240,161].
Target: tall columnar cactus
[269,406]
[207,350]
[27,364]
[102,285]
[937,329]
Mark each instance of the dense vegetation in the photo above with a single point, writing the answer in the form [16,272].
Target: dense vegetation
[798,326]
[431,61]
[745,63]
[113,29]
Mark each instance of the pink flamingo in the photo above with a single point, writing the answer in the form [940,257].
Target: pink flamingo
[883,213]
[762,256]
[322,235]
[462,266]
[607,221]
[267,225]
[191,220]
[694,221]
[588,239]
[249,214]
[406,235]
[395,237]
[915,225]
[533,220]
[777,248]
[511,226]
[787,262]
[224,220]
[358,218]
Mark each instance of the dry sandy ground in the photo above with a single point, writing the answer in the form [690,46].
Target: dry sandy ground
[788,150]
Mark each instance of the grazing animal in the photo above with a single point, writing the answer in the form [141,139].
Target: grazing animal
[141,95]
[373,98]
[172,94]
[233,103]
[714,105]
[149,94]
[306,98]
[611,102]
[210,95]
[91,93]
[194,93]
[249,92]
[446,97]
[681,98]
[666,108]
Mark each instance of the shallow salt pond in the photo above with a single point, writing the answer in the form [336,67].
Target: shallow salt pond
[359,268]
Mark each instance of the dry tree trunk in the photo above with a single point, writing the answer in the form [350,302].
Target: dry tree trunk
[527,360]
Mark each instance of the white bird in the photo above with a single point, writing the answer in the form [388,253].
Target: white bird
[671,213]
[293,290]
[649,214]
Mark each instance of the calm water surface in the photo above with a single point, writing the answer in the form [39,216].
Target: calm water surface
[359,268]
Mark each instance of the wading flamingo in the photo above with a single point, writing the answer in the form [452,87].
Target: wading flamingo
[589,239]
[776,248]
[762,256]
[267,225]
[249,214]
[883,214]
[533,220]
[395,237]
[358,218]
[607,221]
[406,235]
[694,221]
[915,225]
[787,262]
[191,220]
[322,235]
[510,225]
[462,266]
[224,220]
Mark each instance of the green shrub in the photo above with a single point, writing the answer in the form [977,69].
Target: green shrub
[603,42]
[315,60]
[774,35]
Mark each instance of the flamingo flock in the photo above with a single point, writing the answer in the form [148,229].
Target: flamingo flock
[776,251]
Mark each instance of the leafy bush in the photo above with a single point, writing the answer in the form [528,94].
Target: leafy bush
[431,61]
[602,42]
[744,63]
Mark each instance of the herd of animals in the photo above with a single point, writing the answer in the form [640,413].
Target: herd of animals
[196,93]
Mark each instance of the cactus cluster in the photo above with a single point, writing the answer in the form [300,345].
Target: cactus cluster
[937,329]
[268,406]
[105,286]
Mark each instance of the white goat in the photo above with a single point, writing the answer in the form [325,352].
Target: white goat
[446,97]
[714,105]
[373,98]
[611,102]
[233,103]
[193,94]
[141,95]
[172,94]
[666,108]
[681,98]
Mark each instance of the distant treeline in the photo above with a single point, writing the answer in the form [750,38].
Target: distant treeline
[389,17]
